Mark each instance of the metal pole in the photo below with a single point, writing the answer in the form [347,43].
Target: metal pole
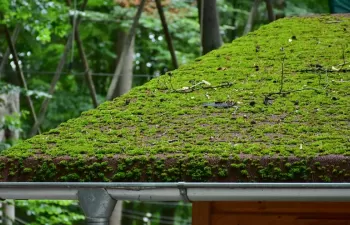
[9,212]
[97,205]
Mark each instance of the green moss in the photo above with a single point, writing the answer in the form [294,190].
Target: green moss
[73,177]
[238,166]
[27,170]
[223,172]
[45,172]
[244,172]
[307,116]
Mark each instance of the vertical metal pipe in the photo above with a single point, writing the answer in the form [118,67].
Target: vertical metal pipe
[97,205]
[9,212]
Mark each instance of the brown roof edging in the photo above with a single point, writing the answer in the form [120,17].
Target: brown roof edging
[177,167]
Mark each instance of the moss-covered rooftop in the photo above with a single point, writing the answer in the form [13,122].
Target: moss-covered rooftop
[273,105]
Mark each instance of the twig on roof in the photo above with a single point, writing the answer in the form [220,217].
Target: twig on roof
[282,73]
[283,93]
[199,85]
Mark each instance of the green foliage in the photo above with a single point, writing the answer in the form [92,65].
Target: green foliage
[4,6]
[42,18]
[38,212]
[11,122]
[6,88]
[302,7]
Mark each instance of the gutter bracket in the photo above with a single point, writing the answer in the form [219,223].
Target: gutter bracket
[183,191]
[96,204]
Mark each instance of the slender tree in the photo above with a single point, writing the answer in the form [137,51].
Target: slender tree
[9,106]
[210,29]
[124,83]
[252,17]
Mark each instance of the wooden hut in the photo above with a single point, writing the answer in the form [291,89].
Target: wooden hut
[271,107]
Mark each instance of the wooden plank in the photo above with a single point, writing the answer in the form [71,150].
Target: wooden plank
[321,222]
[239,219]
[201,212]
[282,207]
[236,219]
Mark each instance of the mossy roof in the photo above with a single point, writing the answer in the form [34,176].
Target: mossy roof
[273,105]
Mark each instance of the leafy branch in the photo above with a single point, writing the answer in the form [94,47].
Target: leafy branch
[6,88]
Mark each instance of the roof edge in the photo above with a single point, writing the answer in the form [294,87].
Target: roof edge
[180,167]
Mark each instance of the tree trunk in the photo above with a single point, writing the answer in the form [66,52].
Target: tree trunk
[9,104]
[280,5]
[199,8]
[233,32]
[252,15]
[125,78]
[269,8]
[210,29]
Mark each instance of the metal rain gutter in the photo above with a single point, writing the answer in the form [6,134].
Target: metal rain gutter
[181,191]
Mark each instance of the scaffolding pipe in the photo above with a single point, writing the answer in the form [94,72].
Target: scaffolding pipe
[183,191]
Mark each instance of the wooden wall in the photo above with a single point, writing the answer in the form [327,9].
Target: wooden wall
[271,213]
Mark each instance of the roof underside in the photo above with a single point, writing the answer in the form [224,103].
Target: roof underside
[271,106]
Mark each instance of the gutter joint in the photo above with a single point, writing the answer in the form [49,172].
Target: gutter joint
[183,191]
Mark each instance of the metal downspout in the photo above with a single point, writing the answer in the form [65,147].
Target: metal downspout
[97,205]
